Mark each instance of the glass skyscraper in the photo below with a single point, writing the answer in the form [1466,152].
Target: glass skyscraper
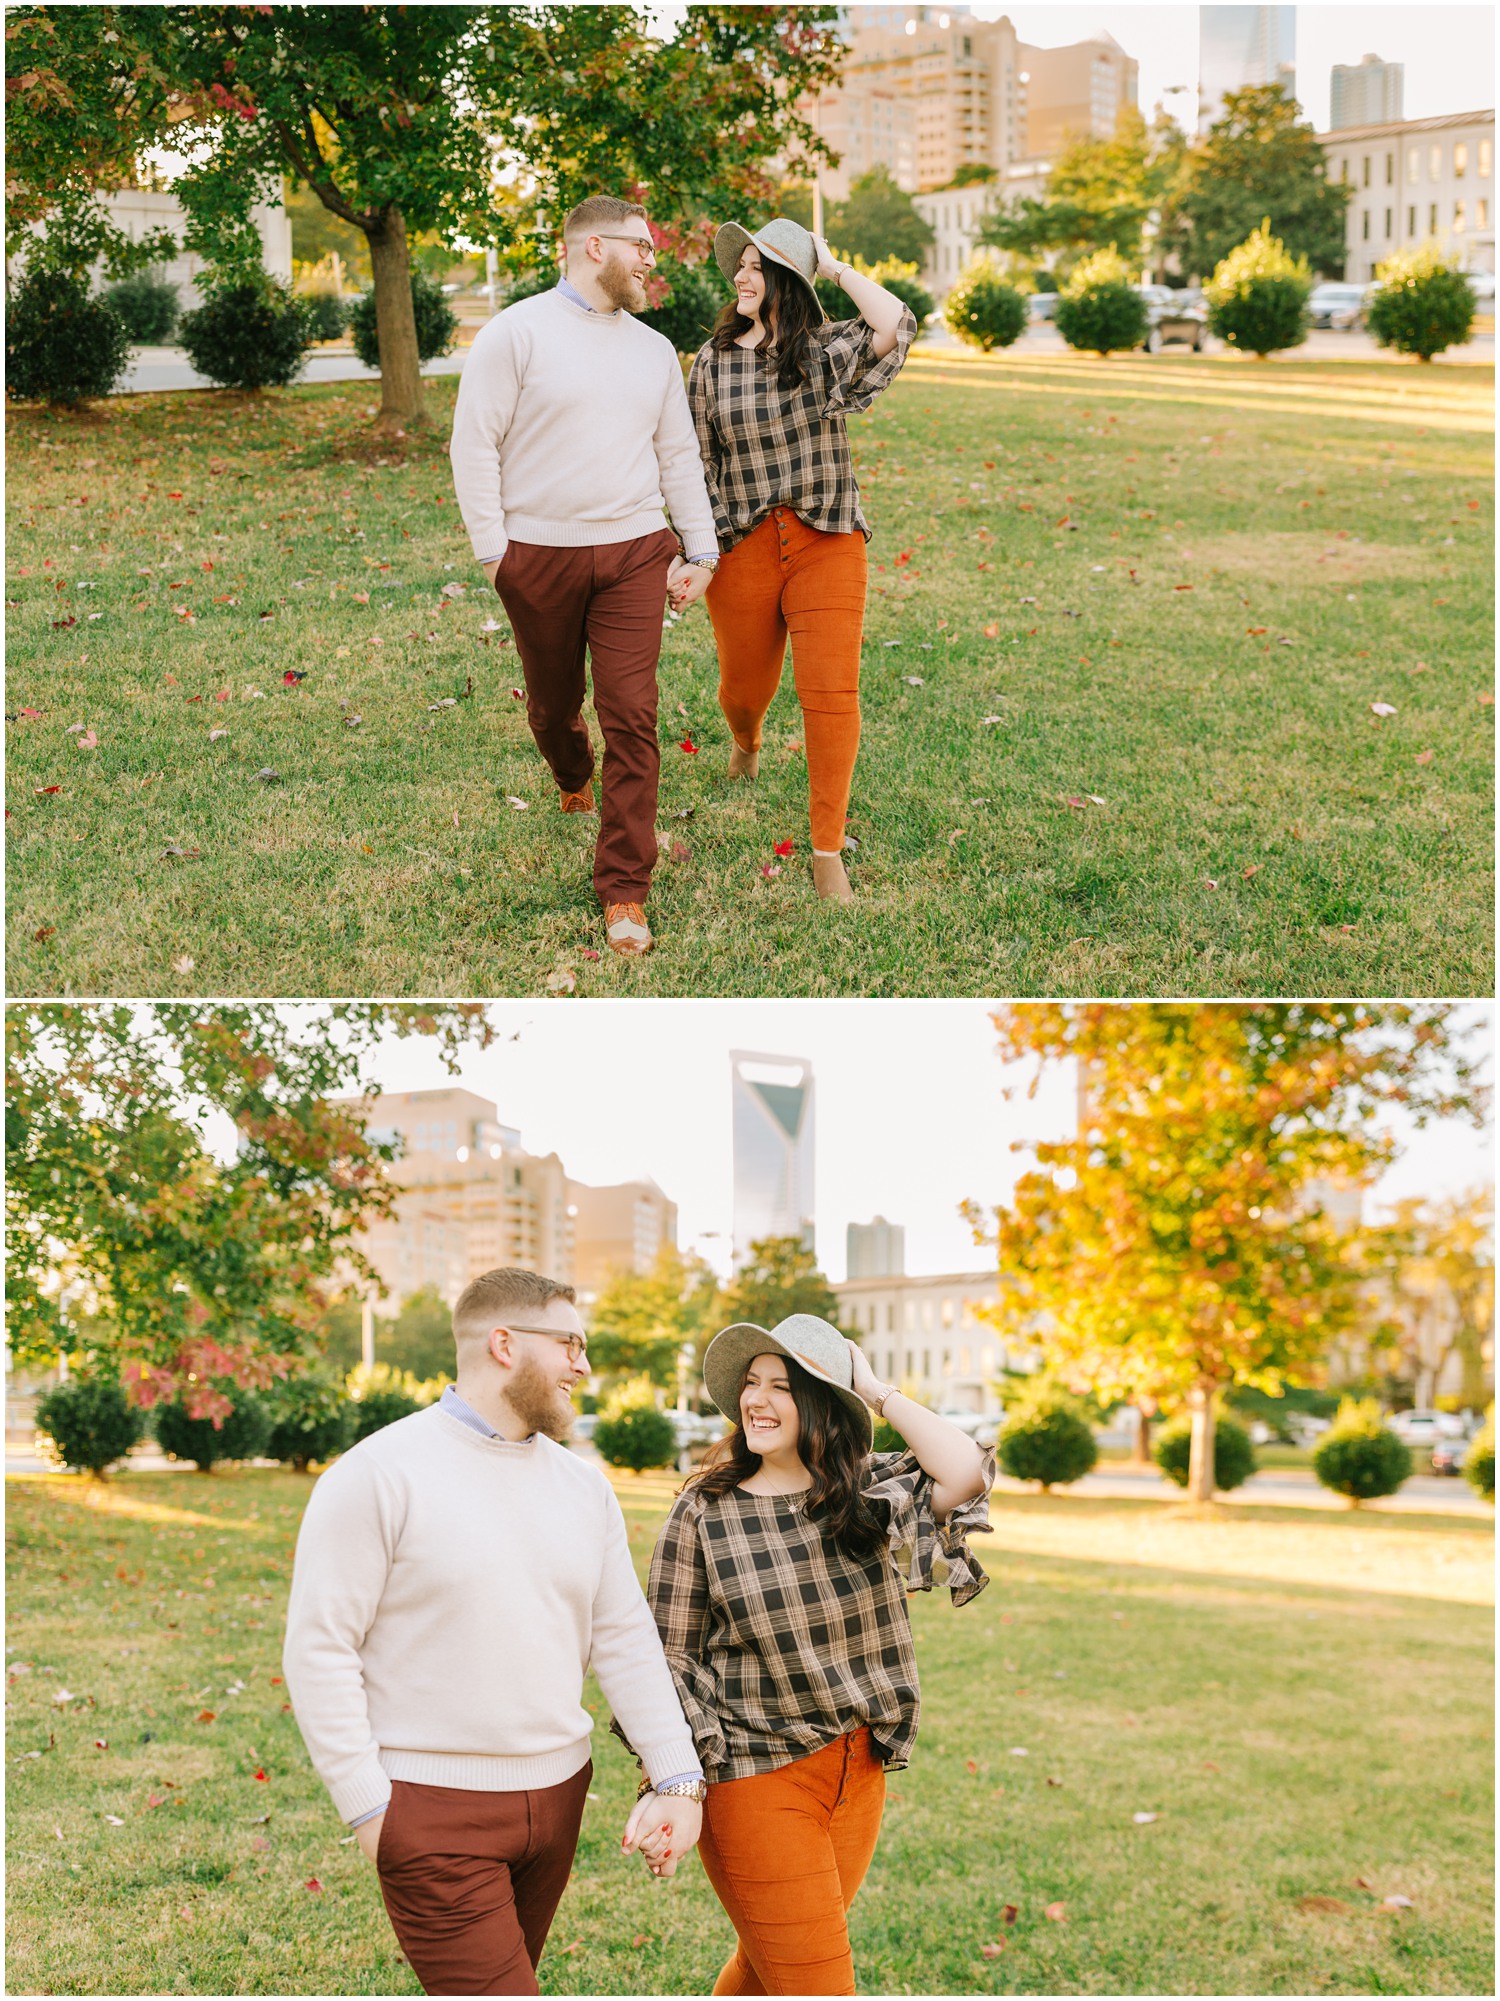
[773,1148]
[1238,46]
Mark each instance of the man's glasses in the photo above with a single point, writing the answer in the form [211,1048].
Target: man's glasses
[636,242]
[578,1348]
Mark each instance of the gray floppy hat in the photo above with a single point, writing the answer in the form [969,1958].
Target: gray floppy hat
[802,1338]
[785,242]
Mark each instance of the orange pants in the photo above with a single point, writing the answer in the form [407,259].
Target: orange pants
[786,1852]
[788,578]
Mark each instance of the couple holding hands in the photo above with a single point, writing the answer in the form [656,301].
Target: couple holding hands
[574,440]
[459,1571]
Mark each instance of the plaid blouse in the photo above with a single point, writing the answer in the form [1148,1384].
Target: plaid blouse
[778,1642]
[764,446]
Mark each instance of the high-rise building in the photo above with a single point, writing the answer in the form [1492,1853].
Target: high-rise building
[1076,91]
[1368,92]
[619,1229]
[875,1250]
[1240,46]
[772,1107]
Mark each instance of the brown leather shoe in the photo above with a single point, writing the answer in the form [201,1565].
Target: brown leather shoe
[578,802]
[829,879]
[743,763]
[626,929]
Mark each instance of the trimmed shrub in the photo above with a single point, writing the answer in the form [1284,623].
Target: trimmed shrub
[90,1422]
[1358,1457]
[1099,311]
[437,323]
[638,1436]
[1257,297]
[247,336]
[1479,1463]
[380,1408]
[1423,304]
[1234,1455]
[1047,1439]
[148,305]
[526,284]
[887,1438]
[242,1435]
[984,309]
[695,298]
[62,344]
[327,314]
[310,1418]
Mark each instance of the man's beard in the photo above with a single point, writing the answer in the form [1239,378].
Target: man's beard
[538,1401]
[622,288]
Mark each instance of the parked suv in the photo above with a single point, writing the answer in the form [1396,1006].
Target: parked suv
[1425,1427]
[1336,305]
[1176,318]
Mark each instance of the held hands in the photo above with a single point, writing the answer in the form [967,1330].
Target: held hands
[367,1834]
[664,1830]
[686,583]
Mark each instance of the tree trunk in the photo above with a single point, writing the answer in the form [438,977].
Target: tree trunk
[1140,1450]
[401,405]
[1201,1462]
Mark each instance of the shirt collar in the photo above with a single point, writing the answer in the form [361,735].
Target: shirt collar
[455,1406]
[572,292]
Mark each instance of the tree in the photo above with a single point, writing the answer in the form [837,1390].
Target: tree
[1422,304]
[1443,1282]
[1258,295]
[90,1421]
[879,220]
[1258,160]
[639,1322]
[401,119]
[1099,310]
[1100,195]
[187,1268]
[1359,1457]
[1047,1438]
[983,309]
[1178,1245]
[779,1277]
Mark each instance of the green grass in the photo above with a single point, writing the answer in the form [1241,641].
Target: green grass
[1297,1737]
[1260,830]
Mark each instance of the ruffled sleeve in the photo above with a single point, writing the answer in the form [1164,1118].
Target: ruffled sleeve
[896,1481]
[856,375]
[677,1592]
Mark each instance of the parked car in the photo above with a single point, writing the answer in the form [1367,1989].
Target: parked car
[1335,304]
[1042,305]
[1449,1454]
[1176,317]
[1305,1429]
[1425,1427]
[1482,285]
[694,1427]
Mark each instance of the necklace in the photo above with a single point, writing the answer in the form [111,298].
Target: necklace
[782,1493]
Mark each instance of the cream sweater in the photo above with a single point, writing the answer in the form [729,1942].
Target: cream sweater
[572,428]
[449,1592]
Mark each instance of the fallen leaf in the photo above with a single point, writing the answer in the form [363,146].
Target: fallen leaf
[216,736]
[1254,869]
[643,1938]
[1423,757]
[985,721]
[183,853]
[770,869]
[1332,1904]
[40,937]
[1054,1782]
[1381,709]
[560,983]
[516,695]
[588,953]
[679,852]
[993,1951]
[266,774]
[1144,1819]
[261,1775]
[312,1883]
[1009,1914]
[41,790]
[1058,1912]
[114,1820]
[955,837]
[1019,1751]
[970,1766]
[520,805]
[1211,882]
[1396,1904]
[183,965]
[204,1716]
[992,631]
[688,747]
[291,677]
[101,1743]
[785,847]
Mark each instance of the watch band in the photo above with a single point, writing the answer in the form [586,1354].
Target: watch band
[689,1789]
[880,1402]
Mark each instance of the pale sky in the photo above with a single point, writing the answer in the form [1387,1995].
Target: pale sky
[911,1116]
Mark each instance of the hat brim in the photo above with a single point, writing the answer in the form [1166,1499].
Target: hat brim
[730,241]
[731,1352]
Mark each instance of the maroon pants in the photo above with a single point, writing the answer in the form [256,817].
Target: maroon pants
[471,1880]
[608,601]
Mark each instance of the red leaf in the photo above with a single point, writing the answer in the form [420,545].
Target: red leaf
[785,847]
[222,696]
[970,1766]
[101,1743]
[154,1801]
[993,1951]
[174,496]
[643,1938]
[312,1883]
[204,1716]
[689,746]
[260,1774]
[276,1681]
[992,631]
[1057,1912]
[1009,1915]
[1424,757]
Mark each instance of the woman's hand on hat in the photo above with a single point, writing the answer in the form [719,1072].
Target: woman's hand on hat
[866,1383]
[829,266]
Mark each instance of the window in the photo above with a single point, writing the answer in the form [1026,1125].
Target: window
[1388,225]
[1344,171]
[1411,220]
[1390,169]
[1414,163]
[947,1312]
[1482,213]
[1460,160]
[1364,226]
[926,1365]
[1486,164]
[1432,218]
[1365,171]
[1435,163]
[1458,215]
[963,1361]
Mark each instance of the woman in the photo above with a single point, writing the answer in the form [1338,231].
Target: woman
[769,394]
[782,1611]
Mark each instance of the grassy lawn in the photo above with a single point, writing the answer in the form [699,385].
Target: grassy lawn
[1303,1699]
[1127,624]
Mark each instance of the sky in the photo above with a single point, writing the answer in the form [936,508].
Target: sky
[912,1115]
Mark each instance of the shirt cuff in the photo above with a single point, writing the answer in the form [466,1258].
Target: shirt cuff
[678,1779]
[488,559]
[371,1815]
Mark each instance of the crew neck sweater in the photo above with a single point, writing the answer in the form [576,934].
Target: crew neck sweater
[449,1592]
[572,429]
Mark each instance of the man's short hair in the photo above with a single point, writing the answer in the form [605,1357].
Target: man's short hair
[487,1302]
[597,213]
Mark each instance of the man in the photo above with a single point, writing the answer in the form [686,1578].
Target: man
[456,1573]
[571,434]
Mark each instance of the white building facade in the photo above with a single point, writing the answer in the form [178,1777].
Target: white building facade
[927,1333]
[1414,181]
[956,216]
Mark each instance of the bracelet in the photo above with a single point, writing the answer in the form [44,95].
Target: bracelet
[880,1402]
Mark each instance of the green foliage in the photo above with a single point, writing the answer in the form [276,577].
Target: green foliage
[310,1419]
[1099,194]
[417,1339]
[887,1438]
[1251,1406]
[90,1421]
[1258,160]
[1422,303]
[1234,1455]
[633,1432]
[1258,294]
[380,1408]
[895,273]
[1360,1457]
[695,296]
[878,220]
[983,309]
[149,306]
[974,173]
[1098,310]
[382,1395]
[327,314]
[1479,1461]
[240,1433]
[639,1321]
[1047,1439]
[436,321]
[62,344]
[780,1276]
[252,335]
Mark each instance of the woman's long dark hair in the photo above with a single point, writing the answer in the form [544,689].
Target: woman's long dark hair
[788,313]
[832,1448]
